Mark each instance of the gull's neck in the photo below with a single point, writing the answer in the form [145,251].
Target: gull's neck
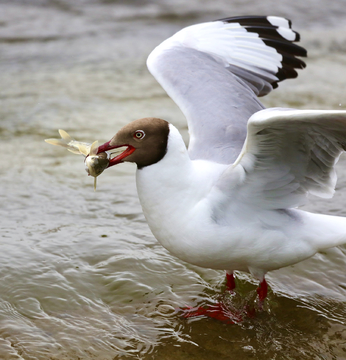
[171,174]
[174,189]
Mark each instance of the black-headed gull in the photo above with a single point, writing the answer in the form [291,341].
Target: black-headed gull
[229,201]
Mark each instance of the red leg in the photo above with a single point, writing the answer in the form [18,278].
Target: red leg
[262,290]
[230,284]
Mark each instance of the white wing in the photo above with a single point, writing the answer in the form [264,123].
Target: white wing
[287,155]
[214,72]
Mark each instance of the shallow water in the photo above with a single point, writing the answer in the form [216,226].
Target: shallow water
[81,275]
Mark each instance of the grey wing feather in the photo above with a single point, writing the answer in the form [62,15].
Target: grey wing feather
[216,103]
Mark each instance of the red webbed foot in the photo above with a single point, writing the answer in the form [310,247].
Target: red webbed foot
[225,311]
[218,311]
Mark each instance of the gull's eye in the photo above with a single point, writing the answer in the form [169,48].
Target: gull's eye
[139,134]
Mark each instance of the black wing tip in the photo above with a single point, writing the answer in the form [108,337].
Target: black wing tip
[249,18]
[286,72]
[253,20]
[286,47]
[270,35]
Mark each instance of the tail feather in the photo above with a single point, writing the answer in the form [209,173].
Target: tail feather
[327,231]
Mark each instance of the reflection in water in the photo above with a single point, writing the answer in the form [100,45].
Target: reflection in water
[81,275]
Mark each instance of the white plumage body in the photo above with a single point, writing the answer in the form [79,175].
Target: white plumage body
[191,218]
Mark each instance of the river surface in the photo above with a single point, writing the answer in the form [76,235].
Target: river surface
[82,277]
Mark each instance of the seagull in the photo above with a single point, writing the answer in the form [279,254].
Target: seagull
[231,200]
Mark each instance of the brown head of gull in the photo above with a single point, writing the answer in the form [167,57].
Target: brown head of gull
[144,140]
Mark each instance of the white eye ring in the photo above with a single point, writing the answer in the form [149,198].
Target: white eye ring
[139,134]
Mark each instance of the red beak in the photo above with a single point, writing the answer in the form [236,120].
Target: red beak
[118,159]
